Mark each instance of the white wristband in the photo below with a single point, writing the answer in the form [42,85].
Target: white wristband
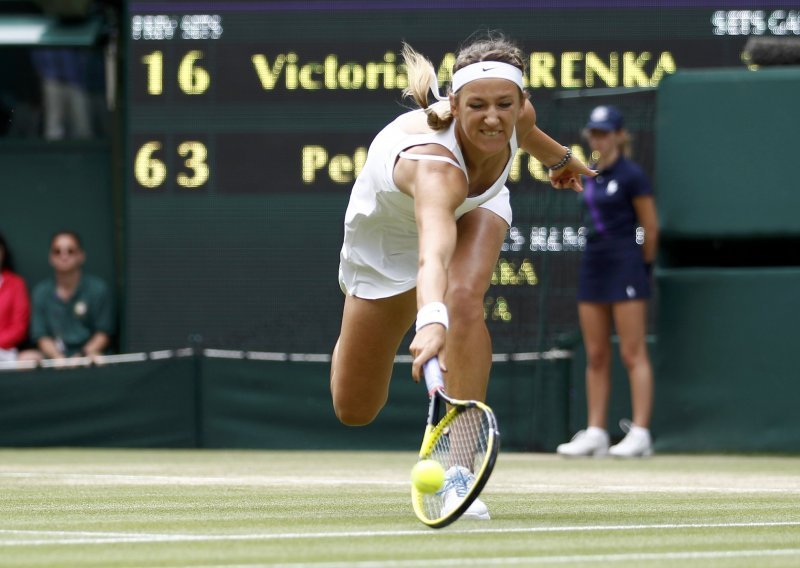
[433,312]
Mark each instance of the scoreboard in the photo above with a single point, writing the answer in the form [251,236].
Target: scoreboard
[248,120]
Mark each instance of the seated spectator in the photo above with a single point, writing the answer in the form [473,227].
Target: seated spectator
[15,308]
[72,312]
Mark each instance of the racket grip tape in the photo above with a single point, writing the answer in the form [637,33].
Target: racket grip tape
[433,375]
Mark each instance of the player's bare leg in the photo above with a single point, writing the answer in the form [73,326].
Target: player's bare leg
[469,346]
[361,367]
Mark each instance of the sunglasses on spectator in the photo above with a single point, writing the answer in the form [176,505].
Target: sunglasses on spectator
[70,251]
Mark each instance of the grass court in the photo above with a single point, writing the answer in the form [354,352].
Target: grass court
[168,508]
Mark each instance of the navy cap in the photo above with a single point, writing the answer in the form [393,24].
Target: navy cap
[605,117]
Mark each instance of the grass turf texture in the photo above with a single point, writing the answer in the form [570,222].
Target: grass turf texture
[115,508]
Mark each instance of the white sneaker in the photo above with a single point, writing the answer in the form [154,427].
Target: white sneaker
[458,480]
[590,442]
[636,443]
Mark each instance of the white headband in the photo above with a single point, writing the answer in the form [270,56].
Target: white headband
[479,70]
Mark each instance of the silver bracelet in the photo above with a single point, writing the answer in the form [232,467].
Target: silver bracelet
[563,162]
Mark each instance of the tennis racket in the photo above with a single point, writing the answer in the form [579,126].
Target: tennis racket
[462,436]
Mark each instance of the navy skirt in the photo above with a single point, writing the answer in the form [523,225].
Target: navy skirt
[613,271]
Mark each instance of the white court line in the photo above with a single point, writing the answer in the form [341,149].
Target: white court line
[530,560]
[570,488]
[93,478]
[265,481]
[87,537]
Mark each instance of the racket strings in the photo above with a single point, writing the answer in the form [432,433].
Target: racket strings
[467,440]
[461,449]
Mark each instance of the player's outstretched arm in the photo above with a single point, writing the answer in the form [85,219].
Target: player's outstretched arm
[437,188]
[564,168]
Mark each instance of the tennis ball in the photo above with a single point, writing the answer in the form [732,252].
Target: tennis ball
[427,476]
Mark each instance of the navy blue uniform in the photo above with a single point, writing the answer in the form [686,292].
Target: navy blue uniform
[612,266]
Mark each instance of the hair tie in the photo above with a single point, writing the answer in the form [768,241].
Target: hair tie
[434,86]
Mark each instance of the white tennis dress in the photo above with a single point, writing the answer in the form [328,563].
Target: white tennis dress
[380,253]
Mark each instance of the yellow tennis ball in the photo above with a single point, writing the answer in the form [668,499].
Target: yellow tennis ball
[427,476]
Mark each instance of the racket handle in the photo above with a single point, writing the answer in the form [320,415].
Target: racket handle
[433,375]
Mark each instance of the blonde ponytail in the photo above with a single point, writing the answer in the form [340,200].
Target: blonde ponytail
[420,74]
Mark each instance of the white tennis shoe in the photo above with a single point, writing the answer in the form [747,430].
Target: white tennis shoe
[637,443]
[458,480]
[590,442]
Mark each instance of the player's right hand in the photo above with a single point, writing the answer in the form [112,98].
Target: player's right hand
[427,343]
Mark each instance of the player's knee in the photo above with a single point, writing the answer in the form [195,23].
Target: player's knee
[354,411]
[357,400]
[466,302]
[351,415]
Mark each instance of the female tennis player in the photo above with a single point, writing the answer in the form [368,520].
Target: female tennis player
[425,224]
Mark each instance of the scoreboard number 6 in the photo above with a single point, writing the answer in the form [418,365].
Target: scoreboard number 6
[151,172]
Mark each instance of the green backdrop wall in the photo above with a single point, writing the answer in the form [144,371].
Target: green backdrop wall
[724,140]
[727,360]
[730,267]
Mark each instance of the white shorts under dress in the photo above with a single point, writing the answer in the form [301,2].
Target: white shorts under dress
[379,257]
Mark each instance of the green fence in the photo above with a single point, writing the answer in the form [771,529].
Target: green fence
[717,391]
[148,404]
[224,402]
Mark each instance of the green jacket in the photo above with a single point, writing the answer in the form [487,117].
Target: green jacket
[72,323]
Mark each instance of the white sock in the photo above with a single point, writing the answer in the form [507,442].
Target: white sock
[595,431]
